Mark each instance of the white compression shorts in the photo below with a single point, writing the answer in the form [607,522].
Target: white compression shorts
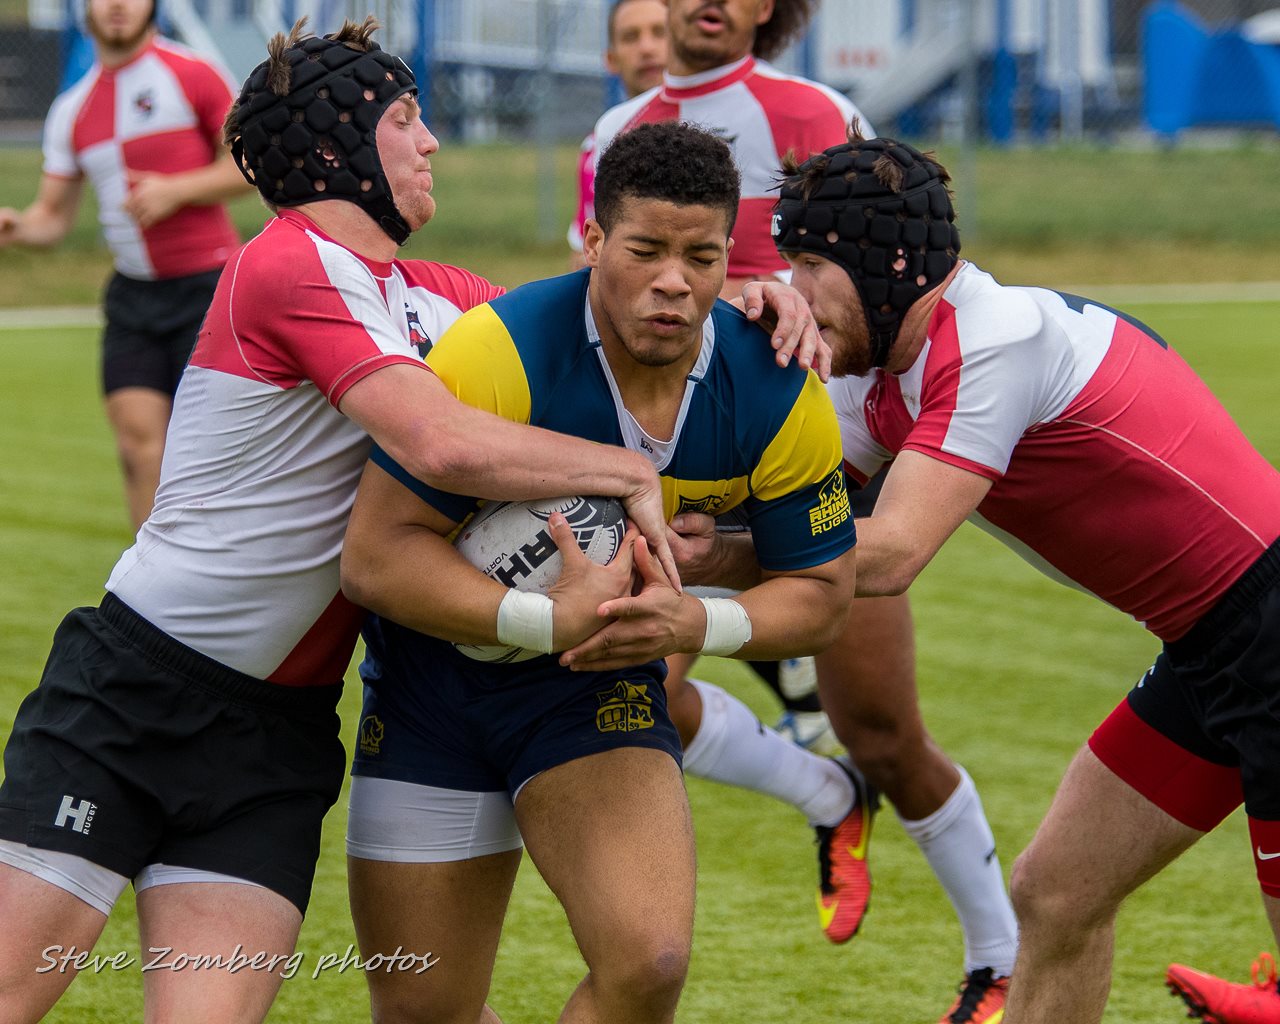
[409,823]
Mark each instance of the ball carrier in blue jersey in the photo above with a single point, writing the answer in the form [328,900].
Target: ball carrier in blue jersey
[459,759]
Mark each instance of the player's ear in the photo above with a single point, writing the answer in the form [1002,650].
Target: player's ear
[592,240]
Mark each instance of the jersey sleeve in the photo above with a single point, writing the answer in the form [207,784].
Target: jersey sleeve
[979,399]
[301,310]
[477,360]
[863,454]
[799,505]
[211,94]
[59,154]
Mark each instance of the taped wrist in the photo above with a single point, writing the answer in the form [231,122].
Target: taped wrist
[728,626]
[524,620]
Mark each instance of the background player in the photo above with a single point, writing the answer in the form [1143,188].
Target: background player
[1009,405]
[590,759]
[219,649]
[145,126]
[716,77]
[637,55]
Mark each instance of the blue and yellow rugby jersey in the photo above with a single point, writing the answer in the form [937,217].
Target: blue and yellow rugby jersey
[750,433]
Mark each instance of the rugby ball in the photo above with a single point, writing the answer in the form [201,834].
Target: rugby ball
[510,541]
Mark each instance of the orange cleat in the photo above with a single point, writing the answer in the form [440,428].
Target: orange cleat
[981,999]
[844,882]
[1223,1002]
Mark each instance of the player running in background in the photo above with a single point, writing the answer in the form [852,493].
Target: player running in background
[1008,405]
[184,733]
[637,55]
[717,77]
[145,126]
[471,756]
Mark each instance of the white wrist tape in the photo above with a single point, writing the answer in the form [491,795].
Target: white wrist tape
[524,620]
[728,626]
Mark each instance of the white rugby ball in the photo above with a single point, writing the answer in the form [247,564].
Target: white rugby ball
[510,541]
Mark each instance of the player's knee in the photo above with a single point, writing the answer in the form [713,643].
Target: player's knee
[140,451]
[406,1005]
[651,977]
[1052,901]
[884,749]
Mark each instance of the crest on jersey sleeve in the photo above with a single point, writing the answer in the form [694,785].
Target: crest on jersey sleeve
[833,504]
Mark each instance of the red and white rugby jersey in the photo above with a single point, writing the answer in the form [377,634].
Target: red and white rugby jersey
[1115,467]
[762,114]
[586,192]
[239,558]
[161,112]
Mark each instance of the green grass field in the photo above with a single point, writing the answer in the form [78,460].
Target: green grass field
[1015,671]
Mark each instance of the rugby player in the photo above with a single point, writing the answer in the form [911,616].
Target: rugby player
[1007,405]
[718,77]
[468,757]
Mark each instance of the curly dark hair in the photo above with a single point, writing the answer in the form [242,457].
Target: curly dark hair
[790,19]
[675,161]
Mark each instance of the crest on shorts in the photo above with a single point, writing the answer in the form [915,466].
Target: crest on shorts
[626,708]
[371,733]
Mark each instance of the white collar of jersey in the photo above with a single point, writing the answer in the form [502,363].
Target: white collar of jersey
[633,435]
[704,77]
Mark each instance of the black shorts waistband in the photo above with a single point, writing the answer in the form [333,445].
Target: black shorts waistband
[177,657]
[1242,595]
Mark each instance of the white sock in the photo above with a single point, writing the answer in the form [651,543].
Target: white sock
[957,842]
[733,746]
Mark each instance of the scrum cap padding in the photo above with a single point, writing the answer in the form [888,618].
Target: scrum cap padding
[895,240]
[319,140]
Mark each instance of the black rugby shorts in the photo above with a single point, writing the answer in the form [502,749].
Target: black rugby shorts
[137,750]
[151,329]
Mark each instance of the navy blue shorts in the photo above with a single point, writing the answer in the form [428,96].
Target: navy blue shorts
[436,718]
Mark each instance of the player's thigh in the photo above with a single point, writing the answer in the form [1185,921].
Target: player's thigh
[1101,830]
[214,952]
[432,930]
[611,834]
[39,945]
[139,416]
[430,871]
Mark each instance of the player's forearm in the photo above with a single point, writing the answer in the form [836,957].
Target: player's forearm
[795,616]
[496,458]
[39,228]
[213,183]
[888,563]
[413,576]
